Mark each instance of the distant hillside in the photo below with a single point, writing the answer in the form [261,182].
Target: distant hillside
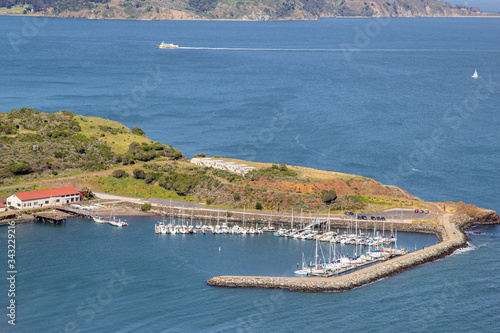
[233,9]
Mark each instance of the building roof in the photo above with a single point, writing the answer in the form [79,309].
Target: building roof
[53,192]
[2,205]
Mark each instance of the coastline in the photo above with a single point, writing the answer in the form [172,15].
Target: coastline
[484,15]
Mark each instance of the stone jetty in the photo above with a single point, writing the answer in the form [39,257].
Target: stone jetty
[452,237]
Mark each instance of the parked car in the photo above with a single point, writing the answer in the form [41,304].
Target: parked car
[363,217]
[426,212]
[416,210]
[373,218]
[382,218]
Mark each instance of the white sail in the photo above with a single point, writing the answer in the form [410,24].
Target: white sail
[475,76]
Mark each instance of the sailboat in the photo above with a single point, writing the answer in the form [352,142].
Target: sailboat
[304,271]
[475,76]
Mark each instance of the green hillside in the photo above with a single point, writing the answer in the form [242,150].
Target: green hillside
[46,144]
[233,9]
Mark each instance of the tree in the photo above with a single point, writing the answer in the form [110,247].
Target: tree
[328,196]
[119,174]
[258,206]
[87,193]
[146,207]
[139,174]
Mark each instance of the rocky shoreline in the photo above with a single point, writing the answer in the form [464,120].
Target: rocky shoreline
[452,235]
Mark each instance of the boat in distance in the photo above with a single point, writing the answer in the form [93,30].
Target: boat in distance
[164,45]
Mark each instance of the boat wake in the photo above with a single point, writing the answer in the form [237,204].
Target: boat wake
[328,50]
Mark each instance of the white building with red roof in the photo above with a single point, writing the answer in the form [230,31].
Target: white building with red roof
[44,198]
[2,207]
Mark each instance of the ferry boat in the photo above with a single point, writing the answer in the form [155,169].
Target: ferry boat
[164,45]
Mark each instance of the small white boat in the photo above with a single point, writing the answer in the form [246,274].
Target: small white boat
[98,219]
[164,45]
[475,76]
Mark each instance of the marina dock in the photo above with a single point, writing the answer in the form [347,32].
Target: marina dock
[453,235]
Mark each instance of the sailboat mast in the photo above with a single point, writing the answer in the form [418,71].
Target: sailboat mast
[328,219]
[292,220]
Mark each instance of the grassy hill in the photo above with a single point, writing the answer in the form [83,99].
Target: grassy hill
[233,9]
[35,145]
[67,149]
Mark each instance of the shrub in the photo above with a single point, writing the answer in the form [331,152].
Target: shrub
[151,177]
[58,154]
[146,207]
[139,174]
[20,168]
[328,196]
[137,131]
[236,197]
[258,206]
[119,174]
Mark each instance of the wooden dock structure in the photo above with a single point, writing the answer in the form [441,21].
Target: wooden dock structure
[54,217]
[78,212]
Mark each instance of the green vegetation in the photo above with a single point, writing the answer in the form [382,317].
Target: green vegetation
[119,174]
[275,172]
[328,196]
[146,207]
[46,146]
[139,174]
[56,144]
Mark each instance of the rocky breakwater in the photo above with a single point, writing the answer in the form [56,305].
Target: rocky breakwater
[452,236]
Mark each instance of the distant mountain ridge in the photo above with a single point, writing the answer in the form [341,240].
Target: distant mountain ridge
[234,9]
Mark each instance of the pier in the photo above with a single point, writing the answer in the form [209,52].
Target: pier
[76,212]
[54,217]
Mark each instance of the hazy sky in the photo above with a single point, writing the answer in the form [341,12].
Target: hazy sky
[487,6]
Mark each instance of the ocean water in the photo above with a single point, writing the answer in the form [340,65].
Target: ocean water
[390,99]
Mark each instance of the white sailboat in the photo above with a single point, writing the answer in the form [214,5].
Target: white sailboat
[475,76]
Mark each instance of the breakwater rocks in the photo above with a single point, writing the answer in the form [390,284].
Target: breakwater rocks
[452,233]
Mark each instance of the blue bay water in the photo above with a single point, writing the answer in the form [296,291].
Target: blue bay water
[386,111]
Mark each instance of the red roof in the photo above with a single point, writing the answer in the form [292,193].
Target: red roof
[2,205]
[53,192]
